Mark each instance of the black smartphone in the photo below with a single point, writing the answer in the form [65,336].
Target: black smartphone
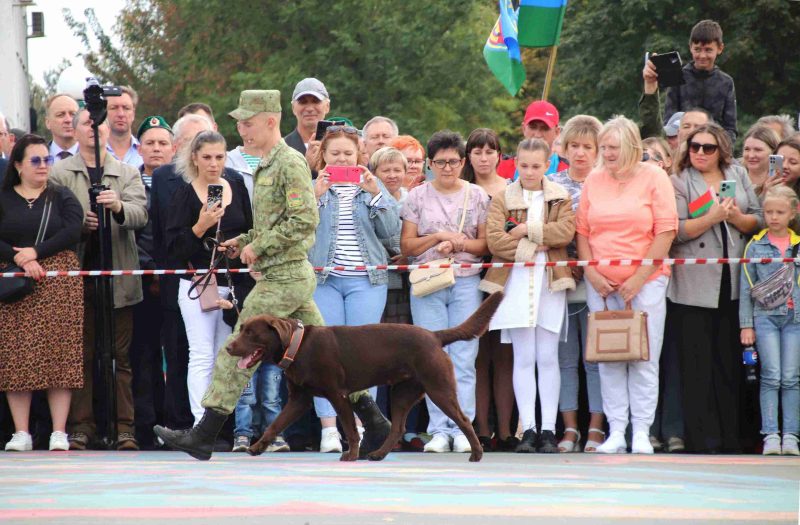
[669,68]
[322,127]
[214,194]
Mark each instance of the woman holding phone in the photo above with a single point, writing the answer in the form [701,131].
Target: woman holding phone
[718,210]
[355,213]
[759,143]
[199,211]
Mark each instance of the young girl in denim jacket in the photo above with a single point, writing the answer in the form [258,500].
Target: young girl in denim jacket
[775,331]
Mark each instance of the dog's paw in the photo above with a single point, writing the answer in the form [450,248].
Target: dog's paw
[348,456]
[374,456]
[475,456]
[255,449]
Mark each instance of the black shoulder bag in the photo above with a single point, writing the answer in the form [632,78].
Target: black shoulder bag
[13,289]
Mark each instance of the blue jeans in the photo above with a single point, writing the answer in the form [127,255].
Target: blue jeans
[348,301]
[265,394]
[778,338]
[570,353]
[446,309]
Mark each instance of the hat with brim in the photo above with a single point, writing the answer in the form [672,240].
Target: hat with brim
[255,101]
[153,121]
[310,86]
[673,124]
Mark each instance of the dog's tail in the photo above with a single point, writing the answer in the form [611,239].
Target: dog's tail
[476,325]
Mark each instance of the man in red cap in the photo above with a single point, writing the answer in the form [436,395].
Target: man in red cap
[541,122]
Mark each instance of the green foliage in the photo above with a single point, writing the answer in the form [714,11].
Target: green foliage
[603,45]
[420,61]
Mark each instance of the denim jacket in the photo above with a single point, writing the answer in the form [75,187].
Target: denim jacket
[759,246]
[374,218]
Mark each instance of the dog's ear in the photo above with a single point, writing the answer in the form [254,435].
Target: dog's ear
[285,329]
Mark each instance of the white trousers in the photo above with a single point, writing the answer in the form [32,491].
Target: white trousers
[206,333]
[536,347]
[633,386]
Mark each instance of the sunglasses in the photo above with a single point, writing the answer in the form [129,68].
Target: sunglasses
[38,161]
[350,130]
[696,147]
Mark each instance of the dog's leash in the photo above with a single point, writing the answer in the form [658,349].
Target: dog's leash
[217,257]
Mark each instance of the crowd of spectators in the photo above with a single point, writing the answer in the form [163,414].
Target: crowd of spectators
[669,187]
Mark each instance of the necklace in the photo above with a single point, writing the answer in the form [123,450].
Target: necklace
[30,202]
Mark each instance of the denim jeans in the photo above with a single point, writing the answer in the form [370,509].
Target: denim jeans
[446,309]
[265,395]
[778,338]
[348,301]
[570,353]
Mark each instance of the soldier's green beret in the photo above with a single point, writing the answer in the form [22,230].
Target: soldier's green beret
[154,121]
[253,101]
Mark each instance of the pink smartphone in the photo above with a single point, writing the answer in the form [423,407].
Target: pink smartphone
[344,174]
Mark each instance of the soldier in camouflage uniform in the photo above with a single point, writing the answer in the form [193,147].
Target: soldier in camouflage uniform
[285,218]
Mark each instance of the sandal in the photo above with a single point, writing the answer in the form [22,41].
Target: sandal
[565,446]
[591,445]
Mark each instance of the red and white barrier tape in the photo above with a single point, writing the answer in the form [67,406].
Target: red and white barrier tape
[407,267]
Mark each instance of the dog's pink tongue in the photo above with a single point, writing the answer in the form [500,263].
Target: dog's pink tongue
[242,363]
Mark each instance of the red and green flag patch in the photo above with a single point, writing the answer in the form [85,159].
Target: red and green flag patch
[701,204]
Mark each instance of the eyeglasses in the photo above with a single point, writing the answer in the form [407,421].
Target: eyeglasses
[38,161]
[350,130]
[696,147]
[415,162]
[441,163]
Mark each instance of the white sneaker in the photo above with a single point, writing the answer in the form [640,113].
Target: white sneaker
[461,444]
[616,444]
[439,443]
[58,441]
[331,441]
[789,447]
[20,442]
[641,443]
[279,445]
[772,445]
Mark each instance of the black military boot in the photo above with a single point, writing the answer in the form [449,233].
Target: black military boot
[376,427]
[198,441]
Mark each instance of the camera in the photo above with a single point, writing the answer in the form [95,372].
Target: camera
[94,191]
[94,96]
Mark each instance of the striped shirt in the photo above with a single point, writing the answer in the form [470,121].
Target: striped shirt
[347,251]
[252,162]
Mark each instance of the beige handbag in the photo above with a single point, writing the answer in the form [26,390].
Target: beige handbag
[617,335]
[425,281]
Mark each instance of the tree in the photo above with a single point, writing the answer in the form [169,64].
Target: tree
[603,45]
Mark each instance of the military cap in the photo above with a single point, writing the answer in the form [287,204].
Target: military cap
[253,101]
[154,121]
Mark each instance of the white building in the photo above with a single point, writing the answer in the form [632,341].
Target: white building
[15,96]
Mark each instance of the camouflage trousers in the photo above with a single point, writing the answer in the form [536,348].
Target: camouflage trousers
[282,291]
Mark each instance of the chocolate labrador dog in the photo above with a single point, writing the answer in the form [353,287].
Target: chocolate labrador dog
[333,361]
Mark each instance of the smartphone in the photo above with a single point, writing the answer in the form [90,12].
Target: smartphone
[727,188]
[322,127]
[214,194]
[669,68]
[344,174]
[775,165]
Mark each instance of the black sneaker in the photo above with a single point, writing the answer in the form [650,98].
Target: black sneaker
[547,443]
[527,444]
[486,443]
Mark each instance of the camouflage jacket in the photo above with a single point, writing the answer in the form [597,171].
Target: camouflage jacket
[285,214]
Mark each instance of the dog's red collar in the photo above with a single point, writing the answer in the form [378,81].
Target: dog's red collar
[294,346]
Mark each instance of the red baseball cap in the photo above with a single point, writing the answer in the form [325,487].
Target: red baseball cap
[541,110]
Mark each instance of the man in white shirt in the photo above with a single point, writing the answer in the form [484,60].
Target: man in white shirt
[122,145]
[60,110]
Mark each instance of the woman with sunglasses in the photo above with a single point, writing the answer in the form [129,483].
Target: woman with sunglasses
[705,298]
[431,217]
[355,213]
[41,335]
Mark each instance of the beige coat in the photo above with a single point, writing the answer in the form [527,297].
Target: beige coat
[127,182]
[555,230]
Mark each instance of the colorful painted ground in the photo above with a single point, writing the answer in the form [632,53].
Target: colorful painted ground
[419,489]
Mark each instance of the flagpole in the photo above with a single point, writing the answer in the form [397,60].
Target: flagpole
[551,64]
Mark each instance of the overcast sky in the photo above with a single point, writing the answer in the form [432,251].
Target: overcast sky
[46,53]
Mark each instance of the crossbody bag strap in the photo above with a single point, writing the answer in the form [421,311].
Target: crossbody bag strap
[48,206]
[464,208]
